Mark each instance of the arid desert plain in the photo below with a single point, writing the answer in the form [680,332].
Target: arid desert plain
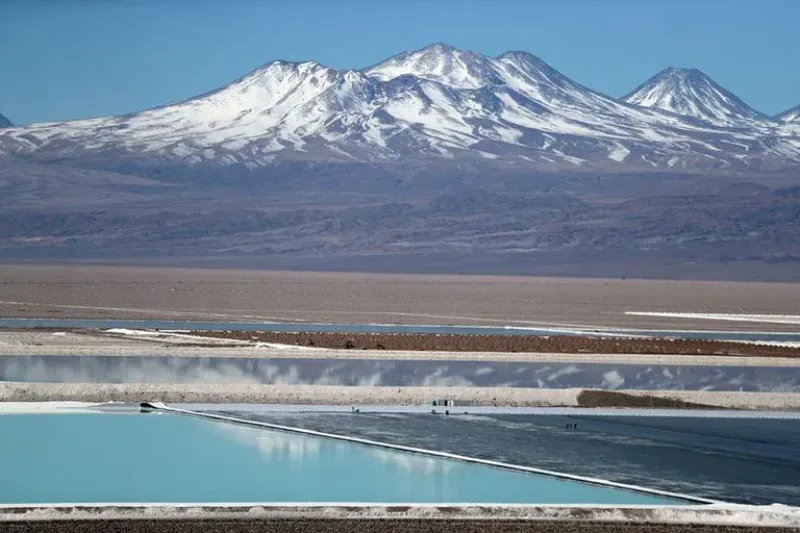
[64,291]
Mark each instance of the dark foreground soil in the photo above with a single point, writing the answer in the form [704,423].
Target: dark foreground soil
[507,343]
[602,398]
[362,525]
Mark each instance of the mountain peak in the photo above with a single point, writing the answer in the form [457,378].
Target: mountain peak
[691,92]
[527,62]
[279,74]
[284,65]
[683,71]
[520,55]
[790,115]
[440,47]
[440,62]
[4,122]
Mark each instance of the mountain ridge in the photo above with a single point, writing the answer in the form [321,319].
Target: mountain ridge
[437,104]
[691,92]
[790,115]
[4,122]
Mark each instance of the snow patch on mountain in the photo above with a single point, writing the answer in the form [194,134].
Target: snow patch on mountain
[789,116]
[619,153]
[692,93]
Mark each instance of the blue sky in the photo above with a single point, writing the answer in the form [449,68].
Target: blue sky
[70,59]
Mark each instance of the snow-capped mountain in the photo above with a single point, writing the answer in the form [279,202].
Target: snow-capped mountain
[434,104]
[4,122]
[692,93]
[441,63]
[790,115]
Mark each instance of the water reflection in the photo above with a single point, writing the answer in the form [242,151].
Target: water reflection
[272,445]
[416,463]
[397,373]
[90,369]
[279,445]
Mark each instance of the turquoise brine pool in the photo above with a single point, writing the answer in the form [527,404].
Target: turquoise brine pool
[159,457]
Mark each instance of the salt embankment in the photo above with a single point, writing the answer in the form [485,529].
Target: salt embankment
[379,518]
[347,395]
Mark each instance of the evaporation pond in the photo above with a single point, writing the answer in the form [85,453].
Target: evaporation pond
[161,457]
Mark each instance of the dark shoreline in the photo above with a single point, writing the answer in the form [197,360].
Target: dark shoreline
[434,342]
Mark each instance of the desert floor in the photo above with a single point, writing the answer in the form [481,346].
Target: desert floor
[63,291]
